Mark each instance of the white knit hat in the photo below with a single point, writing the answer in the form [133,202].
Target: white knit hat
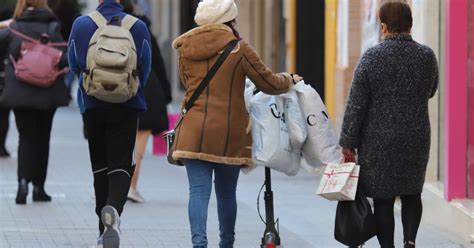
[215,11]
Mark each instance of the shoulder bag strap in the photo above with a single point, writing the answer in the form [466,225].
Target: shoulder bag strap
[207,79]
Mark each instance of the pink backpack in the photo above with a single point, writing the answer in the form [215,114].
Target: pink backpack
[38,61]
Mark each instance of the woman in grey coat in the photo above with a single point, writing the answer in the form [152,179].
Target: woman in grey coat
[387,121]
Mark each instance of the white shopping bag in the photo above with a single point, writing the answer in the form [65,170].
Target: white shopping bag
[339,182]
[294,119]
[271,141]
[249,93]
[321,147]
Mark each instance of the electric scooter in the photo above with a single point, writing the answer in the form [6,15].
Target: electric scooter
[271,236]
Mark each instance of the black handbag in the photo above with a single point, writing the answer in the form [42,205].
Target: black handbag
[170,136]
[355,222]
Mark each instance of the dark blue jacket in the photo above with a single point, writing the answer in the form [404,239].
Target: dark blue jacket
[82,31]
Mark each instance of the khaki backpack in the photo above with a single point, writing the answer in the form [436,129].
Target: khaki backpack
[111,73]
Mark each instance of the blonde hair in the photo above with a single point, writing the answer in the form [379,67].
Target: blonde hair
[21,5]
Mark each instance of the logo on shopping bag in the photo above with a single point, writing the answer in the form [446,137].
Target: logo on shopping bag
[312,120]
[325,115]
[277,114]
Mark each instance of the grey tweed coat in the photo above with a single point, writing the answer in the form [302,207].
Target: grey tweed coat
[386,117]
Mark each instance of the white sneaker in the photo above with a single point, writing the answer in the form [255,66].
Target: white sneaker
[111,221]
[135,196]
[100,242]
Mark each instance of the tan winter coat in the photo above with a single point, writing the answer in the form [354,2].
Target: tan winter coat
[214,129]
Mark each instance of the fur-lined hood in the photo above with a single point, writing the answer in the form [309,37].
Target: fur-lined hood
[204,42]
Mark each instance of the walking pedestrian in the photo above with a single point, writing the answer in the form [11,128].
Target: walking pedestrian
[33,106]
[113,70]
[387,121]
[212,138]
[158,95]
[5,20]
[66,11]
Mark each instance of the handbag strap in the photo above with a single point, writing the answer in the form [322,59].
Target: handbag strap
[207,79]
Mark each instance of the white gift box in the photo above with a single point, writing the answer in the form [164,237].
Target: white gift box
[339,182]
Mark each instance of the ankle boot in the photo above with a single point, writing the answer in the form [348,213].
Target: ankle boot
[40,195]
[3,152]
[22,192]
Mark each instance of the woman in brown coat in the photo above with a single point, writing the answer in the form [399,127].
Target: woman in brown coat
[212,136]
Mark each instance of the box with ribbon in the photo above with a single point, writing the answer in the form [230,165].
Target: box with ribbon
[339,182]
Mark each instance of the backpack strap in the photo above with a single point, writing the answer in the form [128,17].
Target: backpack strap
[23,36]
[128,21]
[98,19]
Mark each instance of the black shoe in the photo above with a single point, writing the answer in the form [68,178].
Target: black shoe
[40,195]
[22,192]
[4,153]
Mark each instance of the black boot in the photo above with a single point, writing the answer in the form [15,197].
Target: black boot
[40,195]
[22,192]
[3,152]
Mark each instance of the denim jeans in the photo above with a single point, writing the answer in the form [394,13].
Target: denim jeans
[200,187]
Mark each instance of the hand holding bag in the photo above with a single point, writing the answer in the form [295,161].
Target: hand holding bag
[170,136]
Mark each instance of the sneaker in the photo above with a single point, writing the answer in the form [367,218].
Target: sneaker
[135,196]
[100,241]
[111,221]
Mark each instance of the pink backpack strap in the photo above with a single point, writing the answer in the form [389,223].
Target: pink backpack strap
[23,36]
[28,38]
[57,44]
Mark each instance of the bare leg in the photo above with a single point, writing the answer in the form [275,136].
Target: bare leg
[142,139]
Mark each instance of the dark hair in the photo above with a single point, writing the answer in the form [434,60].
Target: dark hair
[128,6]
[397,16]
[231,24]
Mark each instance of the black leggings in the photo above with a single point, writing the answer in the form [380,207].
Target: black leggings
[4,113]
[411,217]
[34,128]
[111,134]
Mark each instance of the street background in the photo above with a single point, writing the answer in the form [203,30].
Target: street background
[306,221]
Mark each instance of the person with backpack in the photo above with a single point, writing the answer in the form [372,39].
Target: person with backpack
[212,136]
[110,52]
[158,95]
[33,90]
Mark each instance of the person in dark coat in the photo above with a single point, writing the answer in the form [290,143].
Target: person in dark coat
[67,11]
[158,95]
[33,107]
[5,14]
[387,121]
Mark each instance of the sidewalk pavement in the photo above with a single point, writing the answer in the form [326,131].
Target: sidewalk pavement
[69,220]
